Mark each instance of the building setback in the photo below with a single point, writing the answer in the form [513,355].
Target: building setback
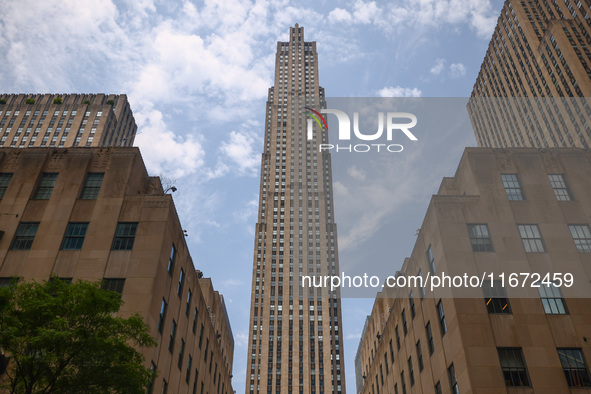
[95,214]
[539,50]
[529,209]
[295,342]
[64,120]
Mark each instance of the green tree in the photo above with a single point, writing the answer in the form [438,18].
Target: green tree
[64,338]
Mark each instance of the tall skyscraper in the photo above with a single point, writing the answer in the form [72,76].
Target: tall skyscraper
[539,50]
[295,336]
[65,120]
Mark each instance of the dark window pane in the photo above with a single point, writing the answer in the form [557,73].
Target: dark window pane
[574,367]
[74,238]
[124,236]
[25,234]
[114,284]
[46,185]
[513,366]
[4,182]
[92,186]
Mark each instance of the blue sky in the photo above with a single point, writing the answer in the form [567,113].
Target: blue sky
[197,75]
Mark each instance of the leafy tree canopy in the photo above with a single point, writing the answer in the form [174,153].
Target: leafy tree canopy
[64,338]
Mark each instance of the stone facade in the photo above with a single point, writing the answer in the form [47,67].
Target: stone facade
[131,237]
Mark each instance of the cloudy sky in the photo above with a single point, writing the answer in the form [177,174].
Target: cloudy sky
[197,74]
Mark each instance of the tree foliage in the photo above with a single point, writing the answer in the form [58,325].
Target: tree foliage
[64,338]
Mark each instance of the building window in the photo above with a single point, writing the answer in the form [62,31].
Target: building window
[172,336]
[430,344]
[438,388]
[74,238]
[92,186]
[560,187]
[411,372]
[124,236]
[113,284]
[404,326]
[164,386]
[453,381]
[420,356]
[422,285]
[531,237]
[574,367]
[162,316]
[188,376]
[195,315]
[495,297]
[581,236]
[552,300]
[512,187]
[430,259]
[480,238]
[441,316]
[403,382]
[201,336]
[397,338]
[181,351]
[46,185]
[513,366]
[179,289]
[25,234]
[171,260]
[411,301]
[188,308]
[8,281]
[391,353]
[5,178]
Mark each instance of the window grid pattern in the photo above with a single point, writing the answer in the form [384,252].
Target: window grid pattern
[560,187]
[114,284]
[495,297]
[552,300]
[124,236]
[25,234]
[513,366]
[574,367]
[453,381]
[441,315]
[582,237]
[480,238]
[431,259]
[46,185]
[512,187]
[92,186]
[5,178]
[532,238]
[74,238]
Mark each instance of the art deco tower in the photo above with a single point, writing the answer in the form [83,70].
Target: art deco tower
[539,50]
[295,338]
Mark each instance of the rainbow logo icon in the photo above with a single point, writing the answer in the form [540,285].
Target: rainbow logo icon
[317,117]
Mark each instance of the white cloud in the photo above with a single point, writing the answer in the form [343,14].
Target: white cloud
[476,14]
[438,67]
[356,173]
[457,70]
[165,152]
[241,151]
[398,91]
[339,15]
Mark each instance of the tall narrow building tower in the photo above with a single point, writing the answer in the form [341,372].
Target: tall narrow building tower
[540,51]
[295,336]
